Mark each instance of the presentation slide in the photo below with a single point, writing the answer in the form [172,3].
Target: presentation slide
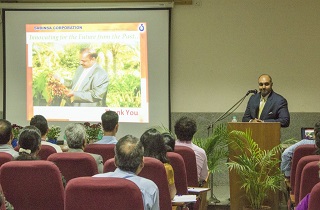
[52,60]
[48,69]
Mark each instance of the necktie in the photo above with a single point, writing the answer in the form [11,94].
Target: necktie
[262,103]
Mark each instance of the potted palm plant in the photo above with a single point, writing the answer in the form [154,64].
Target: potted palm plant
[216,148]
[258,169]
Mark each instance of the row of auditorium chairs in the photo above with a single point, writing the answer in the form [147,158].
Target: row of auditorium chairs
[89,168]
[304,175]
[107,152]
[37,185]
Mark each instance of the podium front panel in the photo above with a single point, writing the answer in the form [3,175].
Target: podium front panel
[267,136]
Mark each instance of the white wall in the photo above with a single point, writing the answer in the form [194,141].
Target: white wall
[219,49]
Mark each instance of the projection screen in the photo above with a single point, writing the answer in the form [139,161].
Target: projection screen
[41,55]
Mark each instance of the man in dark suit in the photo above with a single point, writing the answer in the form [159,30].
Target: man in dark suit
[90,82]
[267,106]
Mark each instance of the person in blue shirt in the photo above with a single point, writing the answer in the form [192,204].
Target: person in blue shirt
[110,125]
[287,154]
[129,161]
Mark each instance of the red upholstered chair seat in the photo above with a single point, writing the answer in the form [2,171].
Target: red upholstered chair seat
[74,164]
[32,185]
[314,199]
[105,150]
[99,193]
[180,173]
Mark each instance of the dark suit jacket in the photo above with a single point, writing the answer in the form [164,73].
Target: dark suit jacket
[93,88]
[275,109]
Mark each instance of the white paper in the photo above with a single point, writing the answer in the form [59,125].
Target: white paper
[184,198]
[197,189]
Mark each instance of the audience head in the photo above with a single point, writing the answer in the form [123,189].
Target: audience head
[129,154]
[169,141]
[185,128]
[75,134]
[153,144]
[110,121]
[5,131]
[41,123]
[29,143]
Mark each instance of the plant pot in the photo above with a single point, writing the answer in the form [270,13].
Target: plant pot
[262,208]
[14,142]
[53,141]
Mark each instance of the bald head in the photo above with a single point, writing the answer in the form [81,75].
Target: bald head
[128,153]
[265,84]
[265,75]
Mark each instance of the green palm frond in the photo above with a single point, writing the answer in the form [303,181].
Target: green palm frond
[215,146]
[258,169]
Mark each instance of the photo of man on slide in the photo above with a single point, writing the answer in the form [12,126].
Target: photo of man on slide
[87,69]
[89,84]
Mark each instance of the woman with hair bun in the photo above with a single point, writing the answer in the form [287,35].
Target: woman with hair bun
[29,143]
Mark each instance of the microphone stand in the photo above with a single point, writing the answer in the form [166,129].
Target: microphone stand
[227,113]
[213,199]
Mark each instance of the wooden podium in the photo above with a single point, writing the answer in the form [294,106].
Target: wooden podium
[266,135]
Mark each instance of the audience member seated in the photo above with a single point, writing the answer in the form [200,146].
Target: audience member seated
[29,143]
[41,123]
[129,162]
[287,154]
[110,125]
[185,128]
[6,137]
[169,141]
[154,146]
[75,134]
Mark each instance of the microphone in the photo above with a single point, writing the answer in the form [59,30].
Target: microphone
[252,91]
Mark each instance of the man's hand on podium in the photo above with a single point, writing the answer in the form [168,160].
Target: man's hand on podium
[256,120]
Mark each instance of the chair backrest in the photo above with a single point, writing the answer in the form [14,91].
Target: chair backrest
[105,150]
[109,166]
[5,157]
[314,198]
[101,193]
[299,152]
[180,173]
[189,158]
[300,167]
[154,170]
[46,151]
[309,178]
[74,164]
[32,185]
